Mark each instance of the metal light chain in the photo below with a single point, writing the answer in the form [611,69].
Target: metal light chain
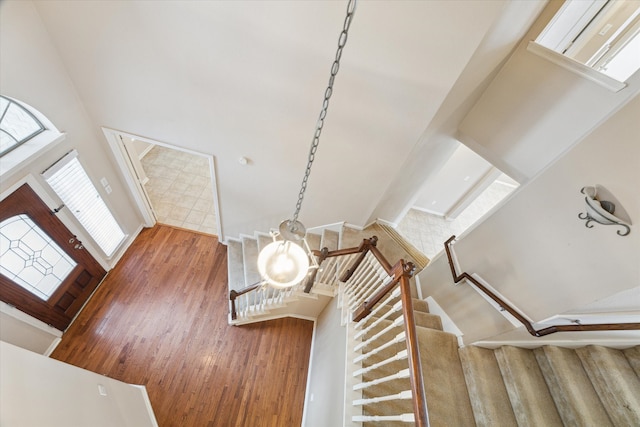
[342,40]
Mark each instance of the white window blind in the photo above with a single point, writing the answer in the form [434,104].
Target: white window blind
[69,180]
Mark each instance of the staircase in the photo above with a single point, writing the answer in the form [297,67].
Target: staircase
[507,386]
[268,303]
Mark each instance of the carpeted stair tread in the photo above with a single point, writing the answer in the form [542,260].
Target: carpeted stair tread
[528,392]
[576,400]
[422,319]
[487,392]
[384,354]
[447,397]
[633,357]
[235,265]
[263,240]
[330,240]
[398,406]
[427,320]
[313,240]
[382,324]
[250,260]
[390,407]
[615,382]
[420,305]
[351,237]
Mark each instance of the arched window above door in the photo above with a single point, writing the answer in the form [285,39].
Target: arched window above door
[17,125]
[25,133]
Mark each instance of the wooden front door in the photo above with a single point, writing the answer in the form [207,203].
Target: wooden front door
[45,270]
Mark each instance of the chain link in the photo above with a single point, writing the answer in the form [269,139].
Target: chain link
[342,41]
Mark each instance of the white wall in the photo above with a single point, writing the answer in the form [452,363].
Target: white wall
[535,110]
[537,253]
[38,391]
[231,79]
[24,331]
[31,71]
[439,140]
[462,172]
[325,385]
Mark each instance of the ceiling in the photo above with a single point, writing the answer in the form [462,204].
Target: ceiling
[246,78]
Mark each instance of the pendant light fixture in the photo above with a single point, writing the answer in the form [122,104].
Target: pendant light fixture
[286,261]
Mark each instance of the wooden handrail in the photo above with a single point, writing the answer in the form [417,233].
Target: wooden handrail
[396,272]
[364,247]
[540,332]
[233,294]
[325,253]
[416,376]
[401,273]
[382,260]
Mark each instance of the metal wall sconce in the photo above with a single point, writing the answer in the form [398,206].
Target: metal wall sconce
[601,208]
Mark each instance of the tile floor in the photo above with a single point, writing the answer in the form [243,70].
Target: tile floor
[180,189]
[428,232]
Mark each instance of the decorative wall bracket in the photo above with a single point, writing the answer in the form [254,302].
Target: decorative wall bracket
[603,211]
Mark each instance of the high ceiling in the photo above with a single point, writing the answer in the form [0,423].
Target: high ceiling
[246,78]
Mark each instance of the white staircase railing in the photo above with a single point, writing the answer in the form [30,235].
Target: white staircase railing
[259,299]
[378,351]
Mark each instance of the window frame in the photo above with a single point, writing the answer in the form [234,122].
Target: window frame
[14,160]
[18,143]
[566,32]
[98,208]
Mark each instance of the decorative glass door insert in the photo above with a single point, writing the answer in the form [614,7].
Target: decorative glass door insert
[31,258]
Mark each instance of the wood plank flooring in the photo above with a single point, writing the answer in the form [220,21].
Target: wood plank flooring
[160,319]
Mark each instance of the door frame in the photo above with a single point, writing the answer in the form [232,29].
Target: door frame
[129,173]
[63,216]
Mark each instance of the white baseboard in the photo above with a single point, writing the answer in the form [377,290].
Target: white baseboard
[336,226]
[619,343]
[52,347]
[145,151]
[130,238]
[307,391]
[418,287]
[274,317]
[147,404]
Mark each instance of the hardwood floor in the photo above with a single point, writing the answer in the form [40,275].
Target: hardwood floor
[160,319]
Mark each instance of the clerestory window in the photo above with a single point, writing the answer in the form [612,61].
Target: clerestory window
[603,35]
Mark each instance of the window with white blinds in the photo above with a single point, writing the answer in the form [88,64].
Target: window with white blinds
[69,180]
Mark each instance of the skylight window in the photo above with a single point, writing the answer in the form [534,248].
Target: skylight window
[601,34]
[17,125]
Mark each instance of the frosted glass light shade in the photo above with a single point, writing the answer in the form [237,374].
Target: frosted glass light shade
[283,264]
